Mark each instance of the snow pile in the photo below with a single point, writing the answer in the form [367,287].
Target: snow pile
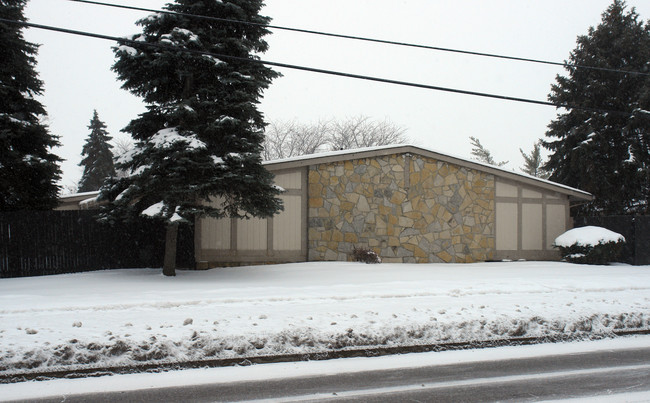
[587,236]
[125,317]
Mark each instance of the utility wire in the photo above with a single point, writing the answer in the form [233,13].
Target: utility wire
[303,68]
[387,42]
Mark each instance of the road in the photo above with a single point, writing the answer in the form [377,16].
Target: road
[530,379]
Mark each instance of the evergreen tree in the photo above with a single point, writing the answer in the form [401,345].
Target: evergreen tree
[29,170]
[98,163]
[533,164]
[606,151]
[482,154]
[201,136]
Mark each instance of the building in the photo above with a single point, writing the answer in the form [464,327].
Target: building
[407,203]
[78,201]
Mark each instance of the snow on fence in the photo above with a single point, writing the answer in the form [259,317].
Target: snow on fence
[635,229]
[37,243]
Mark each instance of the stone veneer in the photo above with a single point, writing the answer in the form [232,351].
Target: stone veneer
[432,211]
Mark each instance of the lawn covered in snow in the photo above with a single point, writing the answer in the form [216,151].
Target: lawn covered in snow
[123,317]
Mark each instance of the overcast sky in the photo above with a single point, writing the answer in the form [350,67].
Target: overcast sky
[77,76]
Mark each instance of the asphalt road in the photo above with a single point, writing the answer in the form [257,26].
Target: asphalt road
[530,379]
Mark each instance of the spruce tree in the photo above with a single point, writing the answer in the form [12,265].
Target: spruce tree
[606,150]
[98,161]
[201,135]
[533,163]
[28,169]
[482,154]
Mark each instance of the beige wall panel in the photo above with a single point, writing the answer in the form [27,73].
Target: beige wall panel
[555,223]
[506,228]
[531,226]
[291,180]
[505,190]
[215,233]
[251,234]
[531,194]
[287,226]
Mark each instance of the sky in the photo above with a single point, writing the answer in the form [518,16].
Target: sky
[77,71]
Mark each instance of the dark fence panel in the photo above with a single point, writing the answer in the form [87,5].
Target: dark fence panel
[642,241]
[635,229]
[34,243]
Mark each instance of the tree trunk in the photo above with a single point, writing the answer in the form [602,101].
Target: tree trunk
[169,264]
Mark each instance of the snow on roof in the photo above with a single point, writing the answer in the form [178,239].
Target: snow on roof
[84,195]
[88,201]
[422,151]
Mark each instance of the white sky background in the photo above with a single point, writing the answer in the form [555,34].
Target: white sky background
[77,76]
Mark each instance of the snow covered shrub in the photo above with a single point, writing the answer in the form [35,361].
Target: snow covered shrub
[590,245]
[365,255]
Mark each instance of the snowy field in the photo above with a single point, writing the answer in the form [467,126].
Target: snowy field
[125,317]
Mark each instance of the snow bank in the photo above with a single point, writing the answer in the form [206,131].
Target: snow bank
[586,236]
[125,317]
[285,370]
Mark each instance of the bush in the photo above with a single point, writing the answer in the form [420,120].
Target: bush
[602,253]
[365,255]
[590,245]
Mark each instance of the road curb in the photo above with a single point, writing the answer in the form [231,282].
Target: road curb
[315,356]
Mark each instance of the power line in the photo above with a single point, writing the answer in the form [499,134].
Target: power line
[365,39]
[303,68]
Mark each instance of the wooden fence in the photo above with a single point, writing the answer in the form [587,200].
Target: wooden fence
[635,229]
[36,243]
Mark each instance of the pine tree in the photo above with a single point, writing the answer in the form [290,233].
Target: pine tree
[482,154]
[201,136]
[606,151]
[533,163]
[29,170]
[98,163]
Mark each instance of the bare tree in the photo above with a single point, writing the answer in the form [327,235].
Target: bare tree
[482,154]
[69,189]
[361,131]
[121,146]
[290,139]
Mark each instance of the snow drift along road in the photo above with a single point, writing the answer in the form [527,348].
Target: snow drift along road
[125,317]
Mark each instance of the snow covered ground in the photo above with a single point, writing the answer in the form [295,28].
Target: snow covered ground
[124,317]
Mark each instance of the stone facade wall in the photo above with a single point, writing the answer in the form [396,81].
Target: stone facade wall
[406,208]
